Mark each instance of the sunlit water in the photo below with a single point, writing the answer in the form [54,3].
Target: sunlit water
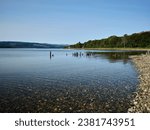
[33,81]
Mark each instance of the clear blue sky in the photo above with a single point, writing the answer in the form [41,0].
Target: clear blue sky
[71,21]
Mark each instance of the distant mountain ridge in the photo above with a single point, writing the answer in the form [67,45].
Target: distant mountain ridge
[18,44]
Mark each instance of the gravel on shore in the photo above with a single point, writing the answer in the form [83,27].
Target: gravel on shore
[141,102]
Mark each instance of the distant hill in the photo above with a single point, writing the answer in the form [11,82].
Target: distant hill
[16,44]
[136,40]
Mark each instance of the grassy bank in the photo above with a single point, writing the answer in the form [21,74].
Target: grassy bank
[127,49]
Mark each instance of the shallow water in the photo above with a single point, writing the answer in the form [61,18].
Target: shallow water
[67,81]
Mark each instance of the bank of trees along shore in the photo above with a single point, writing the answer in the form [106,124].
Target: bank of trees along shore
[136,40]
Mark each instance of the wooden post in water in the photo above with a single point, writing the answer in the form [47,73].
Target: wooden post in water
[80,54]
[50,54]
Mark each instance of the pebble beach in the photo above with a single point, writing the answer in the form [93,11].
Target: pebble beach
[141,101]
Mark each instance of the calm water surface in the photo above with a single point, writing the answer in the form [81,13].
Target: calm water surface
[88,81]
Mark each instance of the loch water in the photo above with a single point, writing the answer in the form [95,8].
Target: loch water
[65,80]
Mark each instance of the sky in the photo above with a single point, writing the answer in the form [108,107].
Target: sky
[71,21]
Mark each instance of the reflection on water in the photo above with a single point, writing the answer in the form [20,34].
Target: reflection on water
[112,56]
[115,56]
[58,80]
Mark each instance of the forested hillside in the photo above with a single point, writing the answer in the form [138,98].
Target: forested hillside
[136,40]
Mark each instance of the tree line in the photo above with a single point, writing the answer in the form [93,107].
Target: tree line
[136,40]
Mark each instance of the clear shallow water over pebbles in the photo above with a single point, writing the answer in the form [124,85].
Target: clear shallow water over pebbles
[91,81]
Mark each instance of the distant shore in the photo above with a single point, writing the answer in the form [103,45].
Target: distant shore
[141,102]
[126,49]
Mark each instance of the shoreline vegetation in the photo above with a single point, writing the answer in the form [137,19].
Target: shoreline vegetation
[117,49]
[141,102]
[136,40]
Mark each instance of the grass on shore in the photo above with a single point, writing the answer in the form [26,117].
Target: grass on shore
[130,49]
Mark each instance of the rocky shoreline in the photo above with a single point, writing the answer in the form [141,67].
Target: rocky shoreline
[141,102]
